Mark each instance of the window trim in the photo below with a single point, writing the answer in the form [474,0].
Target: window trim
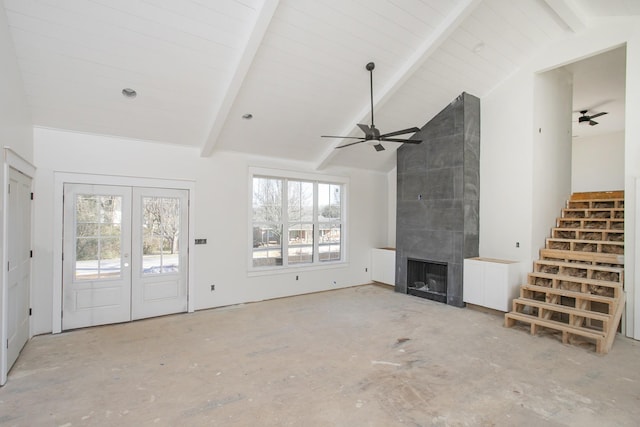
[298,176]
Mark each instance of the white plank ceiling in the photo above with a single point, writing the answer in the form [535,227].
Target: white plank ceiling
[296,65]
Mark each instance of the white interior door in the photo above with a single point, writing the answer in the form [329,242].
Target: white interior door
[96,266]
[160,237]
[125,253]
[19,259]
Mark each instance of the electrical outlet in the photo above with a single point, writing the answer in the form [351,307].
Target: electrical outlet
[517,244]
[296,277]
[213,288]
[366,269]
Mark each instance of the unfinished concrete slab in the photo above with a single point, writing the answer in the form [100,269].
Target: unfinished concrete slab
[363,356]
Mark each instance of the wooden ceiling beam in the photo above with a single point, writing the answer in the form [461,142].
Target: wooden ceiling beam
[568,12]
[219,117]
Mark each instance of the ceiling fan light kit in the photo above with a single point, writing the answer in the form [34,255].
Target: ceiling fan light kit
[372,135]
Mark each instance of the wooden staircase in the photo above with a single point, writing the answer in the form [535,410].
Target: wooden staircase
[576,287]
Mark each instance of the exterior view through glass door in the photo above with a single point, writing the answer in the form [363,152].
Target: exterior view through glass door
[125,254]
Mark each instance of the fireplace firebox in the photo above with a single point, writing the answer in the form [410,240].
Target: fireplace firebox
[427,279]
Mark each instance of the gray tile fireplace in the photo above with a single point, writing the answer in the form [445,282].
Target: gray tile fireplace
[438,200]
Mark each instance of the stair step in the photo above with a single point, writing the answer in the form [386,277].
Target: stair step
[591,223]
[589,257]
[598,195]
[574,279]
[570,294]
[609,235]
[615,201]
[585,245]
[596,204]
[558,308]
[572,242]
[593,213]
[563,266]
[558,326]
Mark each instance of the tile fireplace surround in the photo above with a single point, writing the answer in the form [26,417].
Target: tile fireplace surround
[438,195]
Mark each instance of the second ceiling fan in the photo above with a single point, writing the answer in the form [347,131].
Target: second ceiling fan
[371,133]
[589,118]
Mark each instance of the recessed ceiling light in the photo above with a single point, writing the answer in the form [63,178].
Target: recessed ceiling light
[129,93]
[478,48]
[247,116]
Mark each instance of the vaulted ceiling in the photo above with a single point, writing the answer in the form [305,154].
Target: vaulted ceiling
[298,66]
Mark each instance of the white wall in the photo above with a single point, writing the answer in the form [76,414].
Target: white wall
[15,119]
[221,216]
[392,186]
[506,169]
[552,105]
[598,163]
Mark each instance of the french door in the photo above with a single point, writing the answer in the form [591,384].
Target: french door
[124,253]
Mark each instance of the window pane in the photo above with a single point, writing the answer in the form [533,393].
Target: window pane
[330,242]
[329,253]
[160,235]
[98,244]
[329,202]
[300,206]
[87,208]
[300,234]
[267,245]
[300,254]
[267,200]
[87,230]
[86,259]
[300,243]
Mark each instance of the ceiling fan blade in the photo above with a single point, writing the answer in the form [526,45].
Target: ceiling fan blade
[597,115]
[351,143]
[593,122]
[341,137]
[401,132]
[410,141]
[365,128]
[378,147]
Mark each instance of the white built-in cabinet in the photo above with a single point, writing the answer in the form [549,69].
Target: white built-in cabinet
[491,283]
[383,265]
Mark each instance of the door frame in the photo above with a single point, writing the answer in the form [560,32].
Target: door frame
[61,178]
[12,160]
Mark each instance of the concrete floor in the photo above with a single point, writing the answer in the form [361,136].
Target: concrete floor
[363,356]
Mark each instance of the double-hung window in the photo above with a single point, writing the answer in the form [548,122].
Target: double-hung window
[296,220]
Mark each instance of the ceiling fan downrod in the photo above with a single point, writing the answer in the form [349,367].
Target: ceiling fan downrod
[370,67]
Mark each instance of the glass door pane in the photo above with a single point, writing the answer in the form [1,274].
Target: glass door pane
[160,235]
[98,237]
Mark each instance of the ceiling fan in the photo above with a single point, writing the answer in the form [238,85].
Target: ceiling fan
[371,133]
[584,118]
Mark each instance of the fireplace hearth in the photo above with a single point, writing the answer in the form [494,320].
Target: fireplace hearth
[427,279]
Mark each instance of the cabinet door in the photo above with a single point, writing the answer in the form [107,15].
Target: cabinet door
[383,266]
[495,286]
[473,288]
